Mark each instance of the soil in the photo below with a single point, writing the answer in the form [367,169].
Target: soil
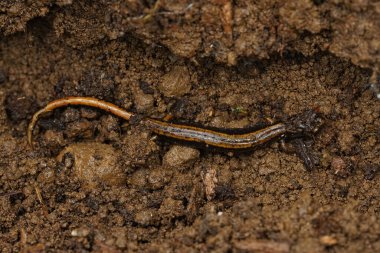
[95,183]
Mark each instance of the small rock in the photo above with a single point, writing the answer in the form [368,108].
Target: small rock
[80,232]
[341,167]
[82,128]
[171,208]
[158,178]
[176,83]
[189,44]
[54,138]
[231,59]
[121,240]
[328,240]
[210,180]
[109,128]
[147,217]
[70,115]
[180,157]
[143,101]
[95,163]
[46,176]
[138,179]
[338,164]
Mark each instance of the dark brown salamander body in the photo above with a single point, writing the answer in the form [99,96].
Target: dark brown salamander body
[215,138]
[302,125]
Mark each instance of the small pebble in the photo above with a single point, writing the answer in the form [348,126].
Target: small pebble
[144,102]
[80,232]
[231,59]
[180,157]
[171,208]
[138,179]
[46,176]
[82,128]
[340,167]
[210,180]
[147,217]
[54,138]
[158,178]
[121,239]
[70,115]
[188,46]
[176,82]
[95,163]
[328,240]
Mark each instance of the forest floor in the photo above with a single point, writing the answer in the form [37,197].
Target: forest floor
[95,183]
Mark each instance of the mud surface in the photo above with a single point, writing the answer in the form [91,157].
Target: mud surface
[95,183]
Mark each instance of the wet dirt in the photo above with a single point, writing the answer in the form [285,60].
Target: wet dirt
[95,183]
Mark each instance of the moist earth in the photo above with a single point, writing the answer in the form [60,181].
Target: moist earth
[95,183]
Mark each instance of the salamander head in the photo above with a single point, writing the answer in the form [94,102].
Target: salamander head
[305,124]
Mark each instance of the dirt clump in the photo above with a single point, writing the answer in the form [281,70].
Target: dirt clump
[93,163]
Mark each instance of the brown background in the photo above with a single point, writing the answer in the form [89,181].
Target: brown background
[217,63]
